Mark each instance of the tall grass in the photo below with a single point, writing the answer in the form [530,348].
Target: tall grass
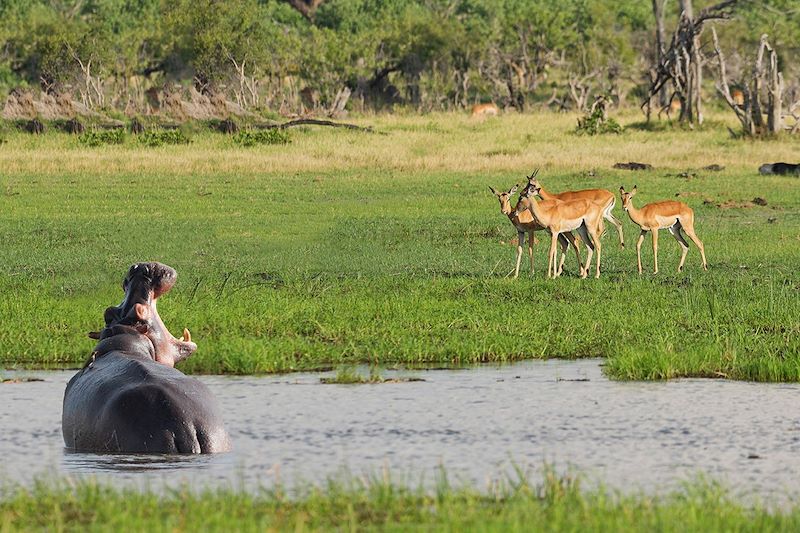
[344,247]
[554,504]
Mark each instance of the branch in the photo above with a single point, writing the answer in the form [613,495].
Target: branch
[722,86]
[315,122]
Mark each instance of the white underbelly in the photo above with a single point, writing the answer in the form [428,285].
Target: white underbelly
[666,222]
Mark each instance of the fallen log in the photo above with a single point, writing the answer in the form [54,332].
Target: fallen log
[314,122]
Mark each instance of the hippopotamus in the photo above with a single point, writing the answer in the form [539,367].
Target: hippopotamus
[129,397]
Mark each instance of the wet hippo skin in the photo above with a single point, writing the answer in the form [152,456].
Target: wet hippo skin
[129,398]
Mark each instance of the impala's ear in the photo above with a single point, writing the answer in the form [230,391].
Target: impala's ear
[494,191]
[622,189]
[633,191]
[513,189]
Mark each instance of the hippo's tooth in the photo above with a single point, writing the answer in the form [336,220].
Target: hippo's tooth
[187,337]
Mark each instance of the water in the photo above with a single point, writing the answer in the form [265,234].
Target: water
[477,424]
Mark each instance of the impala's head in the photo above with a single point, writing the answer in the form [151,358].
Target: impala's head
[533,182]
[504,197]
[526,199]
[626,197]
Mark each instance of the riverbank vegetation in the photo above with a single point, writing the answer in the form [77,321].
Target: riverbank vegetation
[555,504]
[345,247]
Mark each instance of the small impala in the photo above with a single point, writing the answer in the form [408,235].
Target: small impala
[524,223]
[484,110]
[670,214]
[560,216]
[599,196]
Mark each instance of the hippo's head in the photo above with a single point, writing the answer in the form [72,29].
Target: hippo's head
[143,285]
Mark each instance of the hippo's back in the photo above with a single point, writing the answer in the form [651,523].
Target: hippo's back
[135,405]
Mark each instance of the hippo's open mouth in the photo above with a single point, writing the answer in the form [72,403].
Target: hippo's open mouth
[143,285]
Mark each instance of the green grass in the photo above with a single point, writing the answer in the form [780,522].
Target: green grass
[379,503]
[344,247]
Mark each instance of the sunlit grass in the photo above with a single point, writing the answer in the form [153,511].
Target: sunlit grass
[347,247]
[379,503]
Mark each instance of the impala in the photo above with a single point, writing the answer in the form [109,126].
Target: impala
[485,110]
[670,214]
[561,216]
[524,223]
[599,196]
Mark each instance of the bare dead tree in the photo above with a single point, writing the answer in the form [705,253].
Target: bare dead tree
[92,92]
[661,37]
[248,85]
[769,79]
[580,89]
[682,62]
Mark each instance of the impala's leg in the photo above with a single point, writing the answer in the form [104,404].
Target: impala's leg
[551,263]
[596,238]
[609,215]
[655,250]
[675,229]
[584,233]
[571,239]
[530,249]
[688,227]
[520,241]
[564,242]
[639,249]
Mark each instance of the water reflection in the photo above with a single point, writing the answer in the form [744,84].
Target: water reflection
[77,462]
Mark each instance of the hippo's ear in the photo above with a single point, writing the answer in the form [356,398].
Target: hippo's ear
[142,311]
[94,335]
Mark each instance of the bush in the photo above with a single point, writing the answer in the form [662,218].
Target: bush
[254,137]
[595,124]
[102,137]
[162,137]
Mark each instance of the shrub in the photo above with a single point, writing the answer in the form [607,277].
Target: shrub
[254,137]
[595,124]
[162,137]
[102,137]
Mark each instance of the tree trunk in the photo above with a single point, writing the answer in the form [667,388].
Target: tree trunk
[658,13]
[774,101]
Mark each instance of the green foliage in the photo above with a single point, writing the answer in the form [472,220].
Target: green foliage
[424,54]
[377,502]
[156,137]
[596,124]
[266,136]
[350,376]
[102,137]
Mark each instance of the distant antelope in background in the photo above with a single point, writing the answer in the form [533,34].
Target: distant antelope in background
[524,223]
[484,110]
[602,197]
[738,97]
[674,106]
[675,216]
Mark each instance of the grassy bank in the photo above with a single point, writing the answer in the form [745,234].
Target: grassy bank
[346,247]
[557,504]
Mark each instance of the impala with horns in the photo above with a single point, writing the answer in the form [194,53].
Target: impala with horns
[559,216]
[670,214]
[524,223]
[602,197]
